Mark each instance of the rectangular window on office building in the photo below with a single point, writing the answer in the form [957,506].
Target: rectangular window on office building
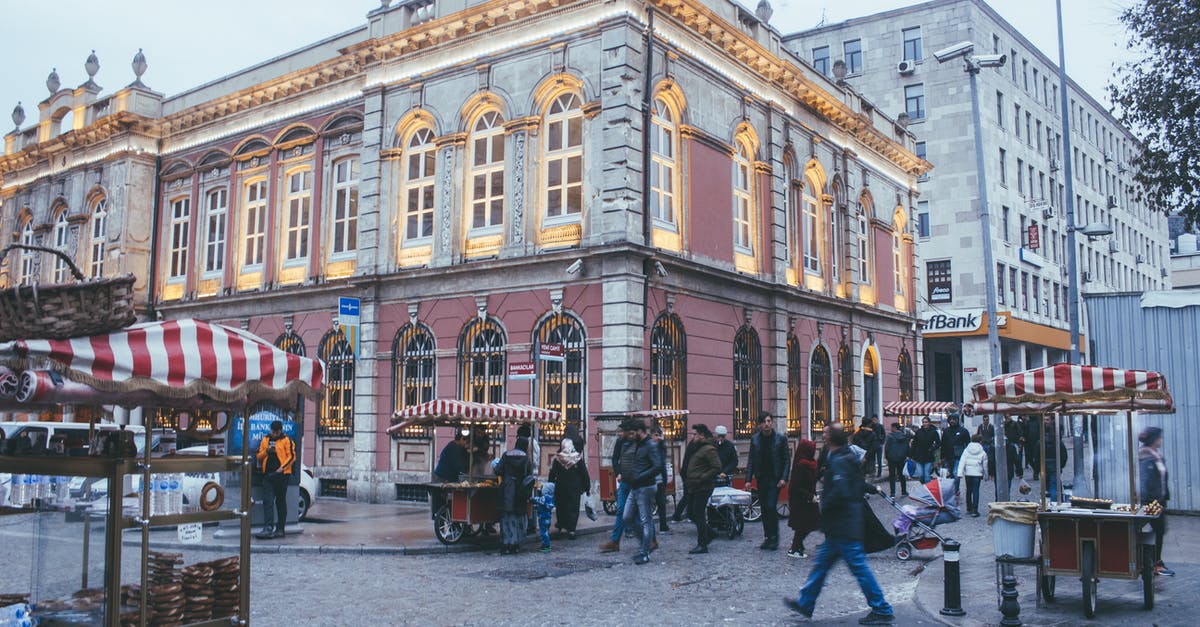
[1000,109]
[912,43]
[1003,167]
[820,59]
[914,101]
[937,278]
[852,54]
[921,152]
[923,218]
[1000,283]
[1004,222]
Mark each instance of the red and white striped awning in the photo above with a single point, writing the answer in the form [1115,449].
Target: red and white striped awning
[446,412]
[918,408]
[1073,388]
[175,363]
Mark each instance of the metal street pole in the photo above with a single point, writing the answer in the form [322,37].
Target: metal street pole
[989,272]
[1072,261]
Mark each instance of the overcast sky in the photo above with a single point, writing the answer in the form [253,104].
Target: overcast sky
[191,43]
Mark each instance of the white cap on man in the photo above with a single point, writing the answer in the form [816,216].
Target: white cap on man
[721,430]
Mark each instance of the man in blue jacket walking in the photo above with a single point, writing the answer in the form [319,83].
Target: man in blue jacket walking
[842,521]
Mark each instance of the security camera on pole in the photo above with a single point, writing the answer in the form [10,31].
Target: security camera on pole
[973,63]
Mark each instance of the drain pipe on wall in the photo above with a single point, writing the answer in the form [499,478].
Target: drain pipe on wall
[152,280]
[647,100]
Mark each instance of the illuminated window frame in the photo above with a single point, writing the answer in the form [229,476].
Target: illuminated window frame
[845,386]
[812,228]
[254,212]
[664,196]
[420,172]
[747,382]
[904,365]
[483,362]
[98,240]
[414,372]
[216,226]
[27,260]
[668,363]
[297,215]
[562,385]
[178,245]
[62,239]
[862,235]
[485,177]
[563,169]
[335,412]
[898,270]
[819,388]
[743,200]
[344,226]
[795,406]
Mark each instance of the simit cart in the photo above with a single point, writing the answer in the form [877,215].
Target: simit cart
[462,507]
[1088,538]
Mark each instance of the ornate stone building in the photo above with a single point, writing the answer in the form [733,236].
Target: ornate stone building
[698,218]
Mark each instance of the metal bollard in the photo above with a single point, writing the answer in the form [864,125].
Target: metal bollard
[1009,607]
[952,589]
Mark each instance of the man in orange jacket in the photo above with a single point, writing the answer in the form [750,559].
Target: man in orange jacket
[275,456]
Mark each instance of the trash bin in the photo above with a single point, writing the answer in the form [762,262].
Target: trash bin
[1013,528]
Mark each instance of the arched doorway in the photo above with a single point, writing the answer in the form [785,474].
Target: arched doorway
[870,384]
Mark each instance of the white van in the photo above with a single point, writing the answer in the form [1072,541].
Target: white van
[75,433]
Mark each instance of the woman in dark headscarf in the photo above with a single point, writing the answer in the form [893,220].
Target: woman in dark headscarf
[805,516]
[1152,486]
[516,482]
[570,477]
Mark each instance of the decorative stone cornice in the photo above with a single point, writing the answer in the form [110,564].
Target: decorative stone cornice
[99,131]
[450,139]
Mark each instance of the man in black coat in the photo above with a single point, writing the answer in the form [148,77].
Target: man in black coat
[1014,438]
[955,439]
[726,451]
[769,464]
[877,452]
[843,522]
[1033,445]
[925,444]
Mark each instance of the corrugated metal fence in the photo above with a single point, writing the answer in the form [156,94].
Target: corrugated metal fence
[1166,339]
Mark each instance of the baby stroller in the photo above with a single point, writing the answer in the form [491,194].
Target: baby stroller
[934,503]
[725,510]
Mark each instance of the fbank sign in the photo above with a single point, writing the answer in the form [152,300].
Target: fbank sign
[953,321]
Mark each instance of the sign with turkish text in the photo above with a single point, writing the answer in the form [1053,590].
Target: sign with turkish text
[1032,237]
[550,352]
[191,533]
[954,321]
[522,371]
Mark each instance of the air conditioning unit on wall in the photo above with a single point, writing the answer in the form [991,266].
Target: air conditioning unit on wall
[1087,276]
[906,67]
[1048,212]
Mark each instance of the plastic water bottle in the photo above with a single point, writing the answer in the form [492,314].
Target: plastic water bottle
[176,494]
[15,614]
[17,487]
[44,487]
[153,492]
[164,495]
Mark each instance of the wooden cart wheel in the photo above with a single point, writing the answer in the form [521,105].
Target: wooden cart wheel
[610,507]
[1147,577]
[1047,583]
[446,530]
[1088,577]
[754,509]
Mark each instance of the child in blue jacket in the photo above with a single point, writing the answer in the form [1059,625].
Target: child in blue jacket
[545,506]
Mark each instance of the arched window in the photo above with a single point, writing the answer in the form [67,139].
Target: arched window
[819,385]
[181,215]
[663,165]
[668,363]
[290,343]
[812,229]
[562,385]
[487,172]
[563,173]
[335,414]
[419,173]
[482,362]
[870,369]
[845,386]
[862,237]
[344,230]
[98,233]
[906,375]
[898,269]
[298,215]
[28,260]
[216,214]
[792,224]
[795,415]
[254,210]
[62,233]
[414,371]
[747,381]
[743,200]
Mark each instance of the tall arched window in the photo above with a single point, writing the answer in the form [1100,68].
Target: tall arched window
[290,343]
[28,259]
[906,375]
[419,173]
[487,172]
[562,385]
[743,200]
[216,214]
[62,233]
[747,381]
[563,174]
[870,383]
[335,414]
[344,231]
[482,362]
[862,239]
[792,224]
[812,229]
[414,371]
[795,415]
[845,386]
[97,240]
[819,385]
[298,215]
[668,363]
[180,241]
[254,212]
[663,165]
[898,270]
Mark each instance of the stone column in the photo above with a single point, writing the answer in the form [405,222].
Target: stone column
[623,340]
[372,212]
[447,223]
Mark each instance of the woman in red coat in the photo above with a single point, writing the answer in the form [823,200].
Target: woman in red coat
[802,488]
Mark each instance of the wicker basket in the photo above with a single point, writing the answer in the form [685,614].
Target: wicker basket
[59,311]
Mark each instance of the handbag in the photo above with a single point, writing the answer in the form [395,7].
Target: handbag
[589,509]
[910,469]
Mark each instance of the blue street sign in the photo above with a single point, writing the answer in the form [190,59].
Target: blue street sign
[348,306]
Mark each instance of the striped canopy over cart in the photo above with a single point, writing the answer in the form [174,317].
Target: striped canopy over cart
[450,412]
[174,363]
[918,408]
[1071,388]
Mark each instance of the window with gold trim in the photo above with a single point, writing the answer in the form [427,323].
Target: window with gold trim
[747,381]
[179,242]
[663,166]
[563,170]
[297,215]
[28,261]
[216,214]
[743,201]
[344,230]
[906,375]
[335,413]
[562,385]
[98,231]
[254,210]
[414,372]
[812,229]
[61,233]
[898,269]
[819,384]
[487,172]
[420,170]
[795,416]
[862,236]
[482,362]
[845,386]
[668,363]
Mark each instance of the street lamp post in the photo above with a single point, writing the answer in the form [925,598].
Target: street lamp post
[973,64]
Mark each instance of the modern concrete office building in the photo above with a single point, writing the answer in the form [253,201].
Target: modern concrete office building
[888,57]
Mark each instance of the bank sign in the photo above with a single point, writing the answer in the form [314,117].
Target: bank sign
[953,321]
